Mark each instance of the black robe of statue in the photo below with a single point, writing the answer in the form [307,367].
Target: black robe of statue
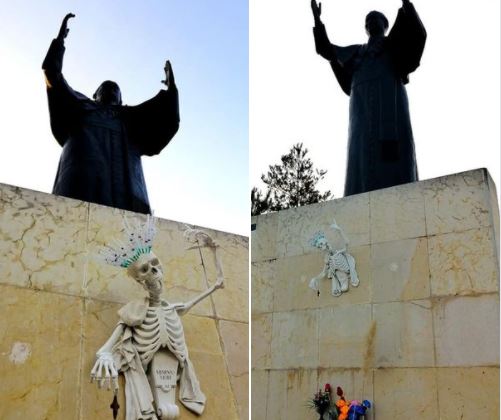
[380,146]
[103,145]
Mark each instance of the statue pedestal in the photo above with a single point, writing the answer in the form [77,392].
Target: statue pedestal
[59,305]
[419,333]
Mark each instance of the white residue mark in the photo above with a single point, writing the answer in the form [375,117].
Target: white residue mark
[19,353]
[393,267]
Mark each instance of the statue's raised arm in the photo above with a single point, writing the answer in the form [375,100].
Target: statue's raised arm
[322,44]
[407,39]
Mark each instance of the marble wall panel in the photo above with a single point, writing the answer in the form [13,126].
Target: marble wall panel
[40,337]
[42,240]
[404,334]
[264,238]
[463,263]
[346,336]
[457,202]
[235,338]
[397,213]
[400,270]
[276,401]
[408,393]
[468,393]
[232,304]
[467,330]
[301,386]
[294,341]
[259,393]
[261,327]
[494,216]
[262,284]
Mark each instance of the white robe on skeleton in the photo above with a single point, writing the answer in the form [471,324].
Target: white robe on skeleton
[132,358]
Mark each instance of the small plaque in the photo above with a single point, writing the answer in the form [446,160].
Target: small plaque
[165,377]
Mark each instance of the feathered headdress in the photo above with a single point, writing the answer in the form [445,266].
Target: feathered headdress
[139,240]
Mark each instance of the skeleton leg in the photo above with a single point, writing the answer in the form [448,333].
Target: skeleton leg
[343,280]
[353,271]
[336,286]
[162,376]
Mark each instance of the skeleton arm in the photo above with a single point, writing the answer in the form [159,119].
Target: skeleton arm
[188,305]
[104,370]
[204,240]
[341,231]
[314,281]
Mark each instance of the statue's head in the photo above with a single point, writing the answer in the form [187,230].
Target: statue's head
[108,93]
[148,272]
[376,23]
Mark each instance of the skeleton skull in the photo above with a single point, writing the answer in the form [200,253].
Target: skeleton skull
[147,271]
[322,243]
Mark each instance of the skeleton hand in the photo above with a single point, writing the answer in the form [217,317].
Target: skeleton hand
[105,364]
[335,225]
[219,284]
[199,237]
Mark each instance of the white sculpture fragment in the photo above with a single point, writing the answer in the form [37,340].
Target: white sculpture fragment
[339,266]
[148,344]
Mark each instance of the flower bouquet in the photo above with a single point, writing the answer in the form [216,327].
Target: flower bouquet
[350,410]
[322,404]
[342,409]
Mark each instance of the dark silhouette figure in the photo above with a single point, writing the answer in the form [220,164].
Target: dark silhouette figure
[380,147]
[102,140]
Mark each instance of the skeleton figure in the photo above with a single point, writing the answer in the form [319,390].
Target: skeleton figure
[339,266]
[148,344]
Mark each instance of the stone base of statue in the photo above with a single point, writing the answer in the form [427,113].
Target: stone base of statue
[59,304]
[420,333]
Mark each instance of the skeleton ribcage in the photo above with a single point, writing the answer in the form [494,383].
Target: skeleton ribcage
[161,328]
[338,262]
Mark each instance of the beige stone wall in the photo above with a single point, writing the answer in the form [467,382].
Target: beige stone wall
[419,336]
[58,306]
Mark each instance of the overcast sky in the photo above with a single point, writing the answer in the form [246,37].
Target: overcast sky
[201,177]
[454,96]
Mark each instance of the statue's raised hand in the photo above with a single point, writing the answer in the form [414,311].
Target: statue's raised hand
[104,371]
[169,76]
[317,11]
[63,31]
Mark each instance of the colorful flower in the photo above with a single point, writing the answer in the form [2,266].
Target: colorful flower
[343,408]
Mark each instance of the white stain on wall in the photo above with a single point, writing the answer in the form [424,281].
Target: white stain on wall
[19,353]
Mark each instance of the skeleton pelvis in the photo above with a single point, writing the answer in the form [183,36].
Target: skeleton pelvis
[162,375]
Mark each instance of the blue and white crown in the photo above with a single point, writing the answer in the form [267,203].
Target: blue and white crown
[139,240]
[316,238]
